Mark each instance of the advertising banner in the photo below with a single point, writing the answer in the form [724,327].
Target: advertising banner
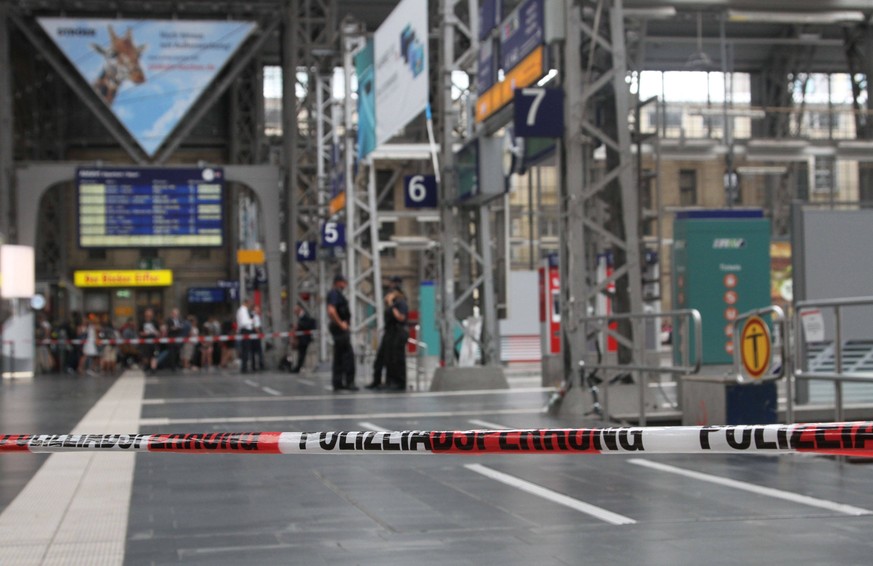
[366,100]
[401,54]
[149,72]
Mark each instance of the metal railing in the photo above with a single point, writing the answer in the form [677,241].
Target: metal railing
[777,316]
[838,376]
[691,361]
[420,354]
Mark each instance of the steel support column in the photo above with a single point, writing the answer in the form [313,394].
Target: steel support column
[600,210]
[7,203]
[467,256]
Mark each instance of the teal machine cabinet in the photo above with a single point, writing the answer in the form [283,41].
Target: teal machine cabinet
[721,267]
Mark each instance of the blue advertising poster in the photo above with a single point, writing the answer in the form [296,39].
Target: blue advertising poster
[149,72]
[521,32]
[366,100]
[144,207]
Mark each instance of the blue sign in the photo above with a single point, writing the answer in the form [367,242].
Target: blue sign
[522,32]
[306,250]
[232,288]
[333,235]
[490,13]
[206,295]
[538,112]
[420,191]
[486,75]
[144,207]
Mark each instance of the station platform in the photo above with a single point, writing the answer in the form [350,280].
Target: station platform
[386,509]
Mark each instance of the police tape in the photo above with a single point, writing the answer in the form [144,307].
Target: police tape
[836,439]
[177,339]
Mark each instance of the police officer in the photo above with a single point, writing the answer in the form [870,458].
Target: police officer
[343,368]
[392,350]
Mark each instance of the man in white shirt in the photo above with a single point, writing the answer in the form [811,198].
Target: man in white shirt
[245,326]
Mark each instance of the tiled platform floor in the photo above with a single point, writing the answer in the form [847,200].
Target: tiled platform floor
[398,509]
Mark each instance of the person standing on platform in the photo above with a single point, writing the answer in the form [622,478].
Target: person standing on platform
[302,336]
[257,346]
[343,368]
[392,350]
[245,326]
[397,311]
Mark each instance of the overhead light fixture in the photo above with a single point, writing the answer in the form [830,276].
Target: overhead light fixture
[699,61]
[762,170]
[413,242]
[662,13]
[420,216]
[829,17]
[755,113]
[549,76]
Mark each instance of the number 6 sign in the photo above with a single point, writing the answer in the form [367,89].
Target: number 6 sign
[333,235]
[420,191]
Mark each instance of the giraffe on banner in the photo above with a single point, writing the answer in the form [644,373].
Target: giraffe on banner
[121,63]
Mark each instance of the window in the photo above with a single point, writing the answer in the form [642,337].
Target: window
[687,187]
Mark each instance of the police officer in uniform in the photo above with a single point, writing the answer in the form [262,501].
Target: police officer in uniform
[343,368]
[392,350]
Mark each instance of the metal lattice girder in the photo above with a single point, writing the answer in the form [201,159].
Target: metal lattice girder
[363,263]
[599,210]
[309,48]
[467,269]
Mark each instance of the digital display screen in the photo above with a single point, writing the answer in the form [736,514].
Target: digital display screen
[142,207]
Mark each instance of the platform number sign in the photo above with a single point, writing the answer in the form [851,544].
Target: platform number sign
[306,250]
[420,191]
[538,112]
[333,235]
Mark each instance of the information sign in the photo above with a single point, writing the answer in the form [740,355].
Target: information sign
[143,207]
[420,191]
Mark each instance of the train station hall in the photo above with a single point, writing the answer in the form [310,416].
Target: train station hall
[449,282]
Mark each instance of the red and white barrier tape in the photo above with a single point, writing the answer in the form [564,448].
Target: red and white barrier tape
[840,439]
[177,340]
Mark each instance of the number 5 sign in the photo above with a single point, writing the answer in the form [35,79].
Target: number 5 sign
[538,112]
[333,235]
[420,191]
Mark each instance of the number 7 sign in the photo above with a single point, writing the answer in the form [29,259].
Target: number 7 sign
[538,112]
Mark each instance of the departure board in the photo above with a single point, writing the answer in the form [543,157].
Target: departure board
[142,207]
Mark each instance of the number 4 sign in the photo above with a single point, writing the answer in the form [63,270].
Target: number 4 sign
[420,191]
[306,250]
[538,112]
[333,235]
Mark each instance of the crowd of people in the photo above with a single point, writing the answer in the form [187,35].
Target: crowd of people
[77,345]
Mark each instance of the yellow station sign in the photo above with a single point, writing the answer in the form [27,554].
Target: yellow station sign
[124,278]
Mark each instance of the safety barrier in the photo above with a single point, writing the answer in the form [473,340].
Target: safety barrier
[690,361]
[835,439]
[838,376]
[177,340]
[420,354]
